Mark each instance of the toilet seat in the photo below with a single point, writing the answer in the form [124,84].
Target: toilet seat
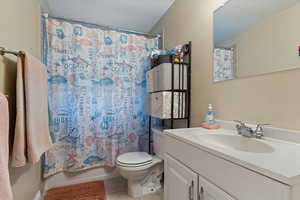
[134,159]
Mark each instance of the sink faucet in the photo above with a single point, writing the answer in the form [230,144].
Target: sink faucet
[247,131]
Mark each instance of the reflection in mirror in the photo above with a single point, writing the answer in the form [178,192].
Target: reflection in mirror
[255,37]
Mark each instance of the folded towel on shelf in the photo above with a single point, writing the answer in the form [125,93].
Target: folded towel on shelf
[160,105]
[5,186]
[32,136]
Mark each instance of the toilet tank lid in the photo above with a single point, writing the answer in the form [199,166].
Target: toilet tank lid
[135,158]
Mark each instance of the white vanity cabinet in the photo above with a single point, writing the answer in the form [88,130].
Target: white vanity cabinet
[191,173]
[208,191]
[182,183]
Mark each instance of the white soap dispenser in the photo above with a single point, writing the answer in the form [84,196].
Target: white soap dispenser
[210,116]
[210,121]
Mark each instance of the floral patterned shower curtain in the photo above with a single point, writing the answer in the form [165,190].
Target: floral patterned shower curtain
[96,94]
[224,66]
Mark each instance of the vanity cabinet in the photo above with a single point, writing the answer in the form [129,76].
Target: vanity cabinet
[208,191]
[195,174]
[182,183]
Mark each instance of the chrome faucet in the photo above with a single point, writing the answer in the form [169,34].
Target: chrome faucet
[248,132]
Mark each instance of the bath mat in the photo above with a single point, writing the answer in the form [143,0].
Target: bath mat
[85,191]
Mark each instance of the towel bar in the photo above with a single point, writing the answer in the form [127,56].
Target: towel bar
[3,51]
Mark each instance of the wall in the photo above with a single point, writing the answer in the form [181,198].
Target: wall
[270,45]
[19,22]
[271,98]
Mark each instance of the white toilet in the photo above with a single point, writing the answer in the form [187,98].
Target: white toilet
[143,171]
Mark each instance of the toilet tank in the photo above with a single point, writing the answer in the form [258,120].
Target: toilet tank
[158,142]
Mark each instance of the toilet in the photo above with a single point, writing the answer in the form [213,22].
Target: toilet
[143,171]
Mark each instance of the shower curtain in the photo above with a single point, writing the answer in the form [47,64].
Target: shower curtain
[97,87]
[224,65]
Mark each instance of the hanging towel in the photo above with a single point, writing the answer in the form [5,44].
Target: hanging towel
[32,136]
[5,187]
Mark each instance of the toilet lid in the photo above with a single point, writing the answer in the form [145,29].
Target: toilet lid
[134,159]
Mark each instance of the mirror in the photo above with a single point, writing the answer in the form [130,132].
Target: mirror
[256,37]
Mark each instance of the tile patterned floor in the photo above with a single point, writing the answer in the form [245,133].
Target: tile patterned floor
[124,196]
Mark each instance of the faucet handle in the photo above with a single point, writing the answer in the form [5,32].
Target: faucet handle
[240,126]
[240,122]
[259,131]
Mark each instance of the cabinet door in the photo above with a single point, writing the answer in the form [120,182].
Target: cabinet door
[180,181]
[208,191]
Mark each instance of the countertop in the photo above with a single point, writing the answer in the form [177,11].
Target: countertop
[282,164]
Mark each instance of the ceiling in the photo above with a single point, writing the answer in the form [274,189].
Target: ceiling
[237,16]
[135,15]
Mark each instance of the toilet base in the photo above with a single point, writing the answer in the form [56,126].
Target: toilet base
[149,185]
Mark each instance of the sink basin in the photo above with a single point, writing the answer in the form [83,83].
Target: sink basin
[237,143]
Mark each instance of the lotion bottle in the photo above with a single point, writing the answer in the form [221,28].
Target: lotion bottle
[210,116]
[210,121]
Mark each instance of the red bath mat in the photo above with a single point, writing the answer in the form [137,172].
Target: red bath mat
[85,191]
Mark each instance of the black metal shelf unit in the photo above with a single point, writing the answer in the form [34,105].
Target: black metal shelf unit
[187,61]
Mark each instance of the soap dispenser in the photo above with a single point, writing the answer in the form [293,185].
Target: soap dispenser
[210,121]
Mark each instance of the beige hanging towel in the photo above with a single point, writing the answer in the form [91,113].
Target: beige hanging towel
[5,187]
[32,136]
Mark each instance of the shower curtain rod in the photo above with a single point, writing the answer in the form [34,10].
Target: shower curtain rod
[3,51]
[46,15]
